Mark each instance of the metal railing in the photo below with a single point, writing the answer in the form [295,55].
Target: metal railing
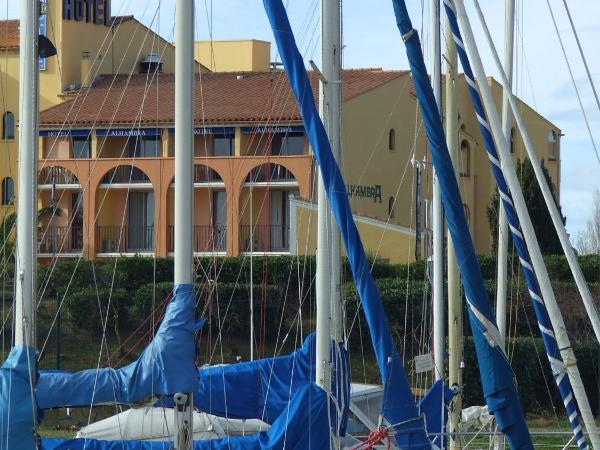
[269,173]
[125,239]
[205,174]
[125,174]
[57,240]
[265,238]
[58,175]
[207,238]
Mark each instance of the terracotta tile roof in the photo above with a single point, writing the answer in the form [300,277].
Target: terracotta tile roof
[220,98]
[9,34]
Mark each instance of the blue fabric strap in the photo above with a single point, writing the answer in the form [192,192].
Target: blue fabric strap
[497,378]
[399,408]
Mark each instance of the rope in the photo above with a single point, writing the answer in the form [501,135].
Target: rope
[376,436]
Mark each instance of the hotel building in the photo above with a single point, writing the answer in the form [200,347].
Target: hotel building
[107,148]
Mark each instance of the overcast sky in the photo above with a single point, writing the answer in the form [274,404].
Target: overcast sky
[371,40]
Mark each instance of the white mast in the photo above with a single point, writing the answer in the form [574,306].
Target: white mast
[502,280]
[28,155]
[328,245]
[455,311]
[438,213]
[332,71]
[184,186]
[570,365]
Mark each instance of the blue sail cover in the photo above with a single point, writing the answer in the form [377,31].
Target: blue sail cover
[259,389]
[399,408]
[17,415]
[434,407]
[303,425]
[541,313]
[497,378]
[165,367]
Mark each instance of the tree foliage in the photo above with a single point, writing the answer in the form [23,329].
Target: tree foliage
[536,205]
[588,240]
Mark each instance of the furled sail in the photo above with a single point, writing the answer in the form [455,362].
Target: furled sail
[399,408]
[165,367]
[541,313]
[497,378]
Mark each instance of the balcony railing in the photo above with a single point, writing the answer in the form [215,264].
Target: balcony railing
[205,174]
[125,175]
[265,238]
[269,173]
[58,240]
[206,239]
[125,239]
[57,175]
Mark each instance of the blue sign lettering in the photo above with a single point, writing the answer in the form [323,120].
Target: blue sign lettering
[274,129]
[130,132]
[92,11]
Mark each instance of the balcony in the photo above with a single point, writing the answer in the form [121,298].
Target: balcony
[265,238]
[123,176]
[60,240]
[207,239]
[60,177]
[270,175]
[126,239]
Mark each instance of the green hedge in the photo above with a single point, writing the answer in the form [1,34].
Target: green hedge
[536,386]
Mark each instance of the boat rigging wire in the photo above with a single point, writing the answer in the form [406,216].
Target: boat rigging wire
[581,107]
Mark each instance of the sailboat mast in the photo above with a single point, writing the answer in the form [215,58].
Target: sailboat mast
[184,185]
[455,310]
[332,71]
[502,280]
[25,279]
[325,276]
[438,214]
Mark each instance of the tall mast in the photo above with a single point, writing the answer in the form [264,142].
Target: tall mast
[509,37]
[332,71]
[455,310]
[28,155]
[325,277]
[438,213]
[508,169]
[184,185]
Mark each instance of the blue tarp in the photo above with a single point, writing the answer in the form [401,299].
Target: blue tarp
[259,389]
[436,400]
[399,407]
[165,367]
[17,414]
[304,425]
[497,378]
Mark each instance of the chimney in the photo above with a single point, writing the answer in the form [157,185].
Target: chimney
[86,69]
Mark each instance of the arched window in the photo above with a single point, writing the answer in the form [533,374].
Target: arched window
[465,159]
[392,140]
[8,125]
[467,214]
[552,145]
[391,207]
[512,140]
[8,191]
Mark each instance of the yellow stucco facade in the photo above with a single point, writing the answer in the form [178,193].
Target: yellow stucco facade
[248,55]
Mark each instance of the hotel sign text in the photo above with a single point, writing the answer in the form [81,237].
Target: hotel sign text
[92,11]
[374,192]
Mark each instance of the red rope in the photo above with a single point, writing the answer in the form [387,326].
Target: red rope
[375,437]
